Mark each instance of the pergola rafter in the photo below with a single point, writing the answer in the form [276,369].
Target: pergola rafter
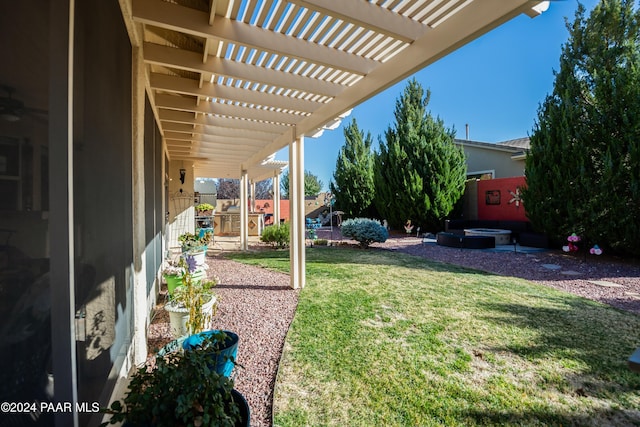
[269,71]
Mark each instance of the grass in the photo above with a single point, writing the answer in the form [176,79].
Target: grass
[383,338]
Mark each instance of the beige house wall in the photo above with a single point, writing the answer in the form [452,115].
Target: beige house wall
[481,159]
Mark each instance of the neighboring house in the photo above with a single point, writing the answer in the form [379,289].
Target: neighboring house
[205,191]
[499,160]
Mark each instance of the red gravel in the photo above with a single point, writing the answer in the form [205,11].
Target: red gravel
[259,306]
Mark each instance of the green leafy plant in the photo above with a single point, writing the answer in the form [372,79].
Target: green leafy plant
[193,295]
[178,389]
[174,267]
[190,241]
[203,207]
[365,231]
[276,235]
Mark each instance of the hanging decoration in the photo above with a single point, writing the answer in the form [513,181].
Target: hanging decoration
[516,197]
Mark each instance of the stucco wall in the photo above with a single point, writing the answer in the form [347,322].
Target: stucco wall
[483,159]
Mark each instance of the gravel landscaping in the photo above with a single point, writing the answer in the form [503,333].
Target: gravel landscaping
[259,306]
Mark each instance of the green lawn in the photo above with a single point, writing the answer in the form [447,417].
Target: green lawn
[386,339]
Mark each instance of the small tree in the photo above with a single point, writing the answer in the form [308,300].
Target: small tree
[419,172]
[353,178]
[312,185]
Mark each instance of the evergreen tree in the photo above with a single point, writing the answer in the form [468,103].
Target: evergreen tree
[419,173]
[353,178]
[312,185]
[583,170]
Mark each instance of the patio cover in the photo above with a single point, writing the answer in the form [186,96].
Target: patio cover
[231,82]
[234,81]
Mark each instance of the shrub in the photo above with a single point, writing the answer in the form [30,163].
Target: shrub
[321,242]
[276,235]
[365,231]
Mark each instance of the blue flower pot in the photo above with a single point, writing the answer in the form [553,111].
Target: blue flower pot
[224,354]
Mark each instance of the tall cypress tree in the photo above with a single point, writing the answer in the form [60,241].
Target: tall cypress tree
[353,178]
[419,172]
[583,170]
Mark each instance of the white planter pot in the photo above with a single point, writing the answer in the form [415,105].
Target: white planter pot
[198,256]
[179,315]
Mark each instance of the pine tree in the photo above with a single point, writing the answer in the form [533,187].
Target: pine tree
[583,170]
[353,178]
[419,172]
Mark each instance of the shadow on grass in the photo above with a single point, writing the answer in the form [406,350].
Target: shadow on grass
[353,254]
[610,417]
[381,256]
[596,336]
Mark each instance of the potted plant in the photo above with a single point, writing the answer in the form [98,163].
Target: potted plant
[192,304]
[204,209]
[174,271]
[195,245]
[221,345]
[180,389]
[190,241]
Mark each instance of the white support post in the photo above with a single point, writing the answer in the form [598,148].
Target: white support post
[296,213]
[252,186]
[276,198]
[141,311]
[244,211]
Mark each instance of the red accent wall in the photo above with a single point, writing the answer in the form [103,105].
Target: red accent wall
[266,206]
[498,199]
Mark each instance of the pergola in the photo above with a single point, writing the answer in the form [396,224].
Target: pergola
[231,82]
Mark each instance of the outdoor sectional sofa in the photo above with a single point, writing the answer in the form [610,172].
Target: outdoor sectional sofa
[453,240]
[521,230]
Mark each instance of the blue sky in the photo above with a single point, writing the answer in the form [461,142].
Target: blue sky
[495,84]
